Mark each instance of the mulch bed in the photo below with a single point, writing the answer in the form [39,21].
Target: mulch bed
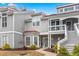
[49,50]
[18,49]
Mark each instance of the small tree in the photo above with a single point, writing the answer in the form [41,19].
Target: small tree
[63,52]
[75,51]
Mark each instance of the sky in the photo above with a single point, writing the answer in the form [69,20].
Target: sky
[48,8]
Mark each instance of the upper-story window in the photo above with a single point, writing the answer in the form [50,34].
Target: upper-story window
[55,22]
[60,10]
[77,7]
[4,20]
[68,8]
[36,23]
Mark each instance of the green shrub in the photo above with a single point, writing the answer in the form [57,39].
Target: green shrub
[6,46]
[54,48]
[63,52]
[75,51]
[33,47]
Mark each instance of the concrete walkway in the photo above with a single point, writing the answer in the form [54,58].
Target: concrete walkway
[45,52]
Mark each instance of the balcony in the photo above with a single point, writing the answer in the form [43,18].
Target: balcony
[57,29]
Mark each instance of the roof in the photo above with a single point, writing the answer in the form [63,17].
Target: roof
[61,13]
[31,30]
[67,5]
[37,14]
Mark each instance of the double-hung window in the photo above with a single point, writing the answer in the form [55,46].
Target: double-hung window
[28,41]
[36,23]
[5,39]
[77,7]
[54,24]
[36,40]
[69,9]
[4,20]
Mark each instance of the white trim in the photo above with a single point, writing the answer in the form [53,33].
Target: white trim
[38,41]
[44,33]
[11,32]
[33,40]
[50,40]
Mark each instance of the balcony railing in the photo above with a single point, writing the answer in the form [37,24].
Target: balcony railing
[57,28]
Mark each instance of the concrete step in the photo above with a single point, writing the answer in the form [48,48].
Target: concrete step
[69,47]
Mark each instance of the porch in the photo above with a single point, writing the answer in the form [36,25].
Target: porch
[59,26]
[47,41]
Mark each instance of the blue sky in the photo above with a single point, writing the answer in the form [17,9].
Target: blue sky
[49,8]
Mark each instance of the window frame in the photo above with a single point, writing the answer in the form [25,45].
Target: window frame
[55,22]
[61,10]
[29,40]
[35,23]
[69,9]
[36,39]
[5,39]
[4,22]
[77,7]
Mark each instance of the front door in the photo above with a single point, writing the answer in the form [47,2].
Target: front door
[45,42]
[69,25]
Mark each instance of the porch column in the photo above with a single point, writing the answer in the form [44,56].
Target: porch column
[49,40]
[61,23]
[38,41]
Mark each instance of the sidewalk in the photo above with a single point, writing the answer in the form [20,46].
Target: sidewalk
[45,52]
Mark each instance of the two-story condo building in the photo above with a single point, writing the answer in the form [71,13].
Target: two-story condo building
[21,28]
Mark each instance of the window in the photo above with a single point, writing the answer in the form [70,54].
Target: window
[27,40]
[33,23]
[36,23]
[68,9]
[54,22]
[61,10]
[77,7]
[35,40]
[4,20]
[57,22]
[5,39]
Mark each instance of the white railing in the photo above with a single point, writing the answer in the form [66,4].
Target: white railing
[56,27]
[76,27]
[60,43]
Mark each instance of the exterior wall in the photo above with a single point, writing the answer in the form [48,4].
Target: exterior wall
[43,24]
[19,21]
[18,41]
[28,26]
[9,39]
